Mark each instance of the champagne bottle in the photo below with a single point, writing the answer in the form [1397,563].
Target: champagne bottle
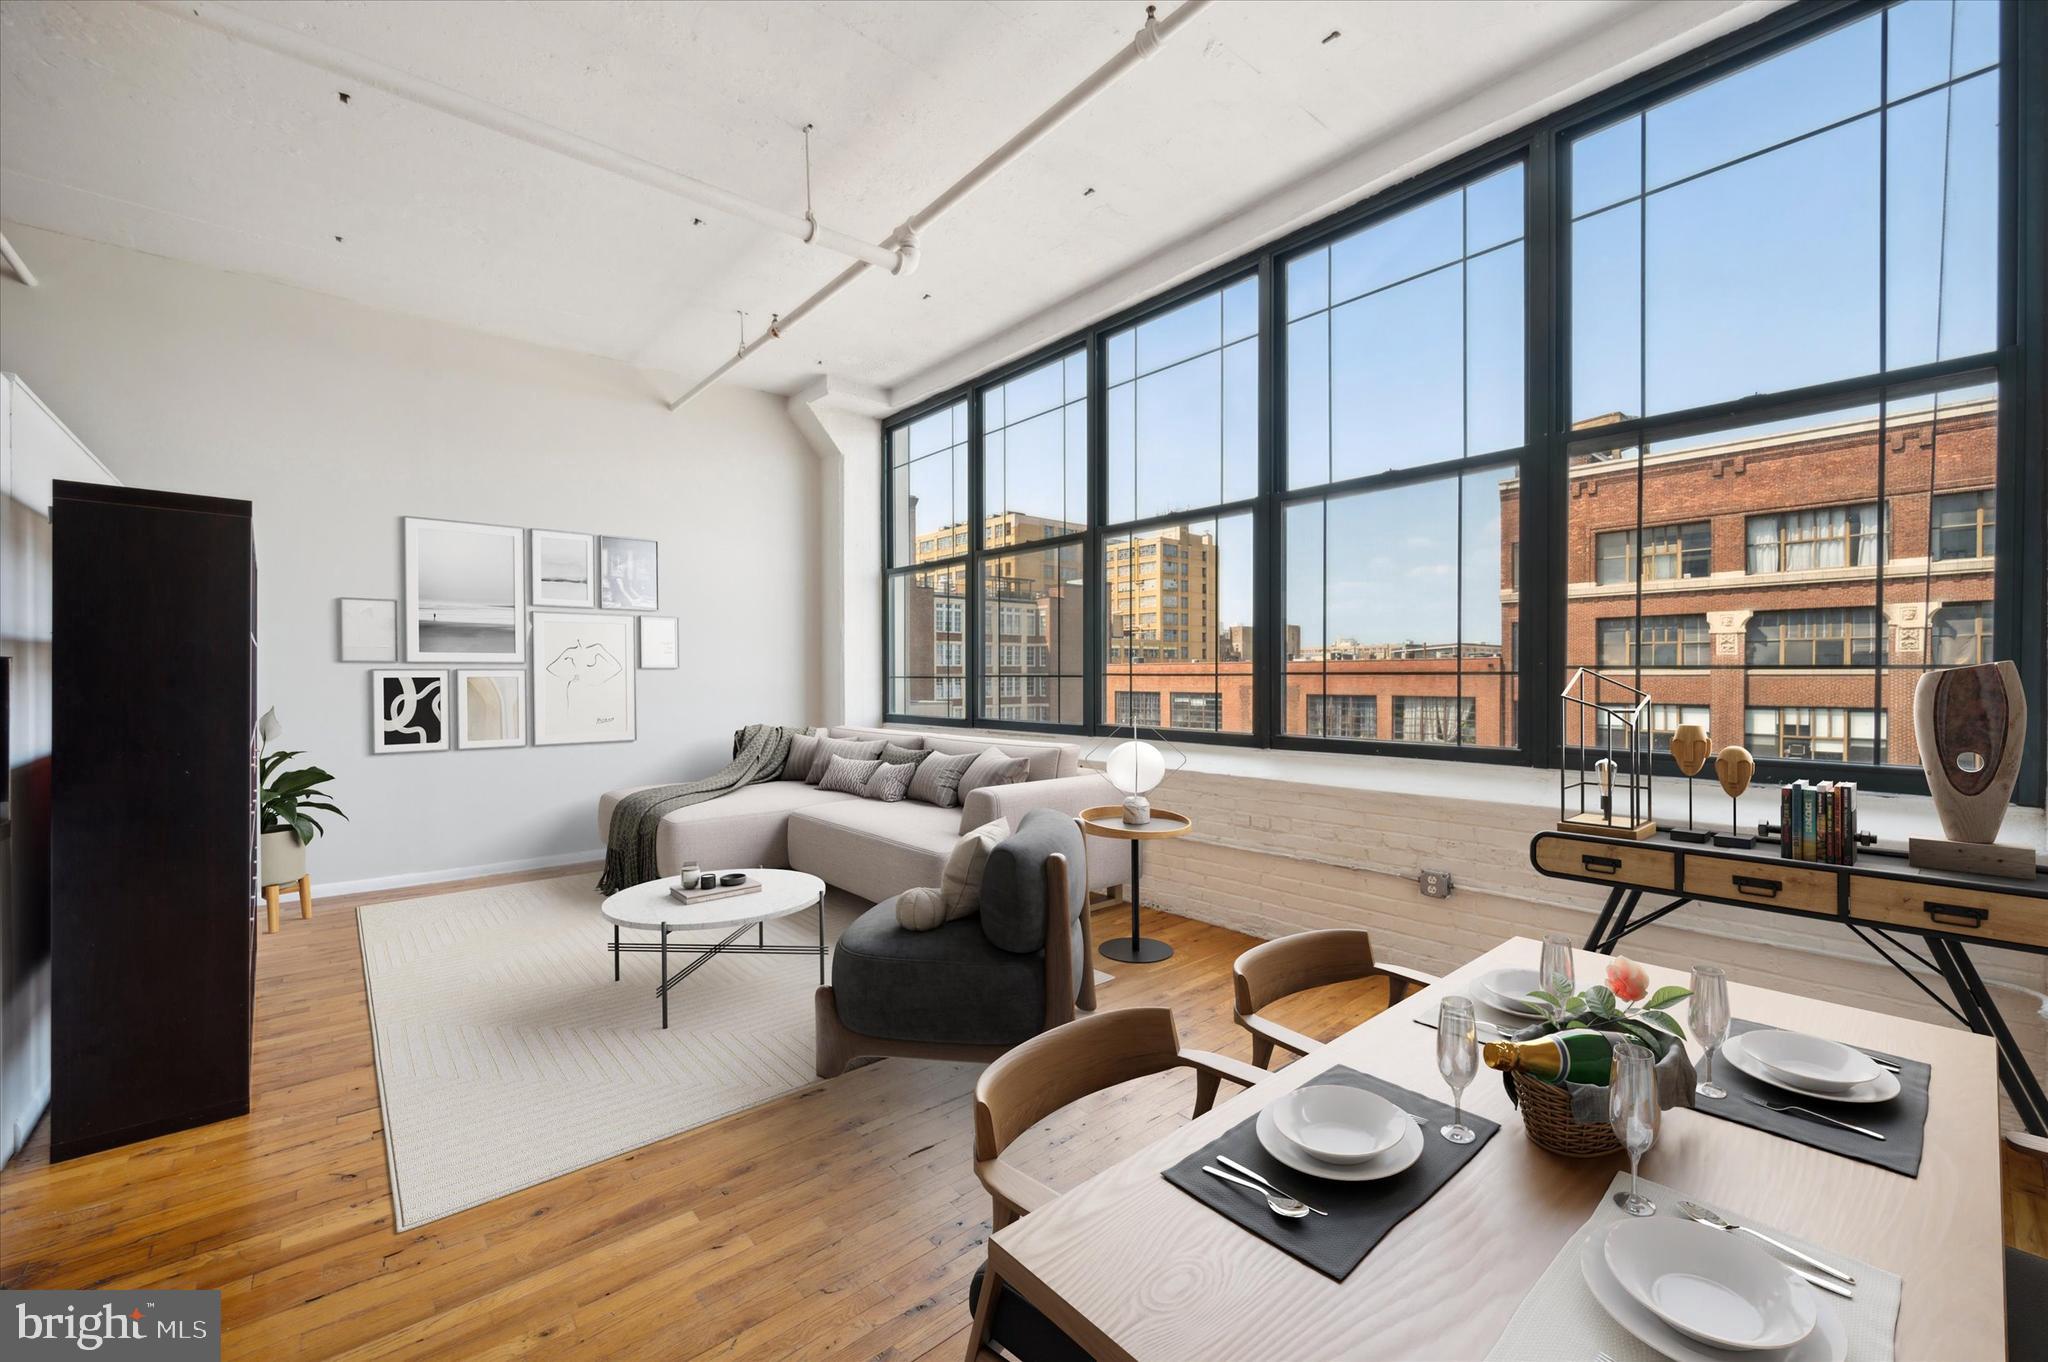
[1563,1057]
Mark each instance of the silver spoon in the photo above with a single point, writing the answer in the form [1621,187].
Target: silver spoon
[1285,1206]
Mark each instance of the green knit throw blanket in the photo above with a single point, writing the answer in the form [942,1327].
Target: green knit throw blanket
[758,753]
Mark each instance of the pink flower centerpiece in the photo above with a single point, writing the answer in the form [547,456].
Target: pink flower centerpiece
[1622,1006]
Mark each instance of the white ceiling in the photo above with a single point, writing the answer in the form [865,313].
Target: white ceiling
[128,125]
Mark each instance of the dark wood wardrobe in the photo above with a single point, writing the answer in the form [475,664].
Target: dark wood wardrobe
[153,813]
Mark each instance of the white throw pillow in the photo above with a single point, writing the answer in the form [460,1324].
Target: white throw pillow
[920,910]
[960,882]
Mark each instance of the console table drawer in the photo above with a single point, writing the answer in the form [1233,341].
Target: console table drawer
[1983,913]
[1768,884]
[1581,858]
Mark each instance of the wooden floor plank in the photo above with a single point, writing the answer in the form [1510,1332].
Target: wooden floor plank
[841,1221]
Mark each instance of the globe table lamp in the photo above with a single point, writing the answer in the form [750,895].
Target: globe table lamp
[1136,768]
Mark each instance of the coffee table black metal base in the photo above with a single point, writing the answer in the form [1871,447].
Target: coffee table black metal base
[705,951]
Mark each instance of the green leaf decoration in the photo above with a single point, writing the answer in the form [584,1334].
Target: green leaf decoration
[1667,995]
[1663,1021]
[1544,995]
[1600,999]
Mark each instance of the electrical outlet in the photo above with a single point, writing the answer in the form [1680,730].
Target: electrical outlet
[1436,884]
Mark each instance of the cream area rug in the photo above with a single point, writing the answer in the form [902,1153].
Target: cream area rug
[507,1056]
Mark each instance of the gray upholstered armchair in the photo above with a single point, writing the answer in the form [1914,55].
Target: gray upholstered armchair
[978,985]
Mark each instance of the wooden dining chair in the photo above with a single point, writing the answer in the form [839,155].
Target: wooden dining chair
[2026,1278]
[1030,1083]
[1294,964]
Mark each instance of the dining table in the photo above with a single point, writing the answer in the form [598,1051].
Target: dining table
[1131,1267]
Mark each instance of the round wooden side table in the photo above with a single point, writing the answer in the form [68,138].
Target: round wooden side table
[1108,821]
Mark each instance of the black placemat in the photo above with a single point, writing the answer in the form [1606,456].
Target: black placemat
[1360,1213]
[1902,1121]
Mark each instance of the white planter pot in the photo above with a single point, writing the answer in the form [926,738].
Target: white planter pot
[283,857]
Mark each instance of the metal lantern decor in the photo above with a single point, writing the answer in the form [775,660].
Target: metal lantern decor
[1604,758]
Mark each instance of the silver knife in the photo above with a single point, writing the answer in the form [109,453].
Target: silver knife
[1233,1164]
[1811,1114]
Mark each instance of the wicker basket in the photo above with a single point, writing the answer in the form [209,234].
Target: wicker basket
[1547,1114]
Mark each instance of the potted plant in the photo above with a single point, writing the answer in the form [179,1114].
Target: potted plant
[1572,1119]
[286,802]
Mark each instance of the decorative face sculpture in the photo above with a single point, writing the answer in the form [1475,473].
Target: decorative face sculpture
[1733,768]
[1689,748]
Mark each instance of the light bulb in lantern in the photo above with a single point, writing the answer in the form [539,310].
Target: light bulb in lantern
[1134,768]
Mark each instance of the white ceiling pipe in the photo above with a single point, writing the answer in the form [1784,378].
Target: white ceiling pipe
[15,262]
[904,240]
[361,70]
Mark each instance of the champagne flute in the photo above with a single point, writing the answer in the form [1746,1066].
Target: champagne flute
[1457,1059]
[1632,1111]
[1709,1017]
[1556,973]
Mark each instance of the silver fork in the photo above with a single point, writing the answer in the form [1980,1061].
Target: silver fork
[1264,1181]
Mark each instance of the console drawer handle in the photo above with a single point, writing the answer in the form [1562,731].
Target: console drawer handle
[1763,889]
[1602,865]
[1957,915]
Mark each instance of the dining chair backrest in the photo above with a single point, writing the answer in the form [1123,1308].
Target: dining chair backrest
[1295,964]
[1065,1064]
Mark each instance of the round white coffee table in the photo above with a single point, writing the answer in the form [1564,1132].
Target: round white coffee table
[647,907]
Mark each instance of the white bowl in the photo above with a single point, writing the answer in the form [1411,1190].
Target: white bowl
[1509,990]
[1338,1124]
[1810,1061]
[1710,1285]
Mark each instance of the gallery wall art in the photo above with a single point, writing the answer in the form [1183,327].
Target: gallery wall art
[408,711]
[631,574]
[659,645]
[490,709]
[582,678]
[465,592]
[564,570]
[369,629]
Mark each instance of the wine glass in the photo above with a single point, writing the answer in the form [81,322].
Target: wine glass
[1632,1111]
[1457,1059]
[1709,1017]
[1556,973]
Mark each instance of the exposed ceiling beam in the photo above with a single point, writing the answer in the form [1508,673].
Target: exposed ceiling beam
[15,264]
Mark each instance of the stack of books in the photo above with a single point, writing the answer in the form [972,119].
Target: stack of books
[1818,822]
[750,885]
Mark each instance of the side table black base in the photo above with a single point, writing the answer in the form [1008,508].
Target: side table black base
[1145,951]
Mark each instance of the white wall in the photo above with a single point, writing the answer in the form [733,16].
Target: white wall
[336,420]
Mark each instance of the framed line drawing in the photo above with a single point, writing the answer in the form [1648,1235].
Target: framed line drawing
[582,678]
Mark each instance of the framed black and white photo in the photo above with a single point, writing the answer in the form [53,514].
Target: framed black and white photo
[408,711]
[564,570]
[465,592]
[369,629]
[582,678]
[490,709]
[630,574]
[658,643]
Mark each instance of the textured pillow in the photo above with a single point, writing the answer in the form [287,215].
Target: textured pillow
[894,755]
[802,747]
[992,766]
[938,779]
[844,773]
[840,747]
[920,910]
[960,881]
[889,783]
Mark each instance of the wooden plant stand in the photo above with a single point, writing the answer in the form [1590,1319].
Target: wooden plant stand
[271,891]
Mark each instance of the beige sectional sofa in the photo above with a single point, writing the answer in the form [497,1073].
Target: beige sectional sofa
[867,847]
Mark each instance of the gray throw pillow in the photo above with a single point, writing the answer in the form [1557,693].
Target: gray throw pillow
[938,779]
[991,766]
[893,755]
[889,783]
[841,747]
[844,773]
[802,748]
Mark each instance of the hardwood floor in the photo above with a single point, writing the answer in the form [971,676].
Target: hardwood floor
[842,1221]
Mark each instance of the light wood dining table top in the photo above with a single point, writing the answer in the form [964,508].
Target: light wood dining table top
[1134,1268]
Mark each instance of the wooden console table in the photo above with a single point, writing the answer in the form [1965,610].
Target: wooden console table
[1881,898]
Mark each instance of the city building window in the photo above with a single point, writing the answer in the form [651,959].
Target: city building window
[1813,638]
[1197,709]
[1434,718]
[1962,634]
[1343,716]
[1140,707]
[1964,525]
[1801,541]
[1661,720]
[1670,552]
[1846,735]
[1657,641]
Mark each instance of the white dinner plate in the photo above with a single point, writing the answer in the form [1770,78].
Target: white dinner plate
[1507,990]
[1337,1123]
[1399,1159]
[1883,1088]
[1813,1062]
[1711,1285]
[1829,1341]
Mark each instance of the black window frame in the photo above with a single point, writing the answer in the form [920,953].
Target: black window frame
[2018,364]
